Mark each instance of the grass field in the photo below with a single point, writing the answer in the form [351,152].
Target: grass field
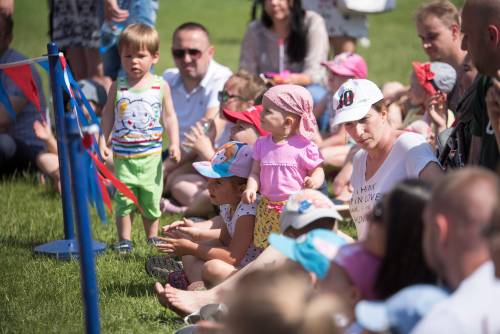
[40,295]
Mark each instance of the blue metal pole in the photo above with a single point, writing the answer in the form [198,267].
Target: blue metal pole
[79,171]
[62,145]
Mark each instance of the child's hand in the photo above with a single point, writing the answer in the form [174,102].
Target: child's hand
[42,130]
[310,183]
[249,196]
[175,247]
[105,151]
[184,228]
[436,110]
[174,153]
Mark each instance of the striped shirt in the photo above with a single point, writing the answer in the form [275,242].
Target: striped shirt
[137,131]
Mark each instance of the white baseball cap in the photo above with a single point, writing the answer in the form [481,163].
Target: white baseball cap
[353,100]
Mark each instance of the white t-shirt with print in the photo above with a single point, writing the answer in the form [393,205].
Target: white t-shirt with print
[408,156]
[241,210]
[473,308]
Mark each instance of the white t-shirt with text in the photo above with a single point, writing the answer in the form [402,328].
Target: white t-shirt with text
[408,156]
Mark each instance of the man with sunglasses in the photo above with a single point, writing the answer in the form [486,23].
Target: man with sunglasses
[197,78]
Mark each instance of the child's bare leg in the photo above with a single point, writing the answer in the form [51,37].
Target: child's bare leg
[193,267]
[215,271]
[150,227]
[49,165]
[185,302]
[124,227]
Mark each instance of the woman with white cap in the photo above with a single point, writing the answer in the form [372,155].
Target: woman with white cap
[386,155]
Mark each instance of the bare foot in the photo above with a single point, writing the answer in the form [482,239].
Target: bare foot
[185,302]
[160,294]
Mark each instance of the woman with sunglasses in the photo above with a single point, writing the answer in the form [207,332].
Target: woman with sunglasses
[287,44]
[187,187]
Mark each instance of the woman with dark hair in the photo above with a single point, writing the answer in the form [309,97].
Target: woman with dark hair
[285,38]
[403,262]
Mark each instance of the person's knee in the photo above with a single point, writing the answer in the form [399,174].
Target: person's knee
[211,269]
[7,148]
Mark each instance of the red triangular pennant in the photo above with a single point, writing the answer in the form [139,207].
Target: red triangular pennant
[23,78]
[104,191]
[117,183]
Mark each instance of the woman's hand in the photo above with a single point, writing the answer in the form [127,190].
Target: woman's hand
[197,138]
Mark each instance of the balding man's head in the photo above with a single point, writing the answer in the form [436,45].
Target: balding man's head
[461,206]
[481,29]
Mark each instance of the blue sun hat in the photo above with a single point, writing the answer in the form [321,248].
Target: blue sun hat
[314,251]
[402,311]
[231,159]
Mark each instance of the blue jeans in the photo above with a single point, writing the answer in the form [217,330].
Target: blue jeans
[140,11]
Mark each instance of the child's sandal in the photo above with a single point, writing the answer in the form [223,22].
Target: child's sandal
[161,266]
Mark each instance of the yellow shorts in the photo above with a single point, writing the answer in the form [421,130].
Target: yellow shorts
[267,220]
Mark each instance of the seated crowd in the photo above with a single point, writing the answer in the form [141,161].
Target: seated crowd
[250,156]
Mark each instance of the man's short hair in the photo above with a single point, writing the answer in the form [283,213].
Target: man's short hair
[463,196]
[487,10]
[6,24]
[444,10]
[191,26]
[139,36]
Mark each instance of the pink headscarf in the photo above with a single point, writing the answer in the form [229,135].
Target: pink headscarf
[296,100]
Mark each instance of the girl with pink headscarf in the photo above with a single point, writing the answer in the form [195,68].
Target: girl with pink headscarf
[286,160]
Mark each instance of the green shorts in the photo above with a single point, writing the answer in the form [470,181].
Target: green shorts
[144,176]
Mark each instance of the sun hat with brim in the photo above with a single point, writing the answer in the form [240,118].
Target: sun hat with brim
[354,99]
[250,116]
[348,64]
[402,311]
[435,76]
[314,251]
[231,159]
[304,207]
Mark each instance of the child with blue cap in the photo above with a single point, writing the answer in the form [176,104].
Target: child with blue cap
[210,255]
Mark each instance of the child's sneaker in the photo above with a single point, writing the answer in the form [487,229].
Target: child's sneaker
[154,241]
[123,246]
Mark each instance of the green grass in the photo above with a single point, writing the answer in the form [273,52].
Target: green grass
[39,294]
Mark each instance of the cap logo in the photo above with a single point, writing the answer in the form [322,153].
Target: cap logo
[304,205]
[346,99]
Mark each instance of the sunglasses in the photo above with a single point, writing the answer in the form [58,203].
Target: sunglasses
[181,53]
[224,96]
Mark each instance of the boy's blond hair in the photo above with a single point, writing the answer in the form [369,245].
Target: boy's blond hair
[139,36]
[444,10]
